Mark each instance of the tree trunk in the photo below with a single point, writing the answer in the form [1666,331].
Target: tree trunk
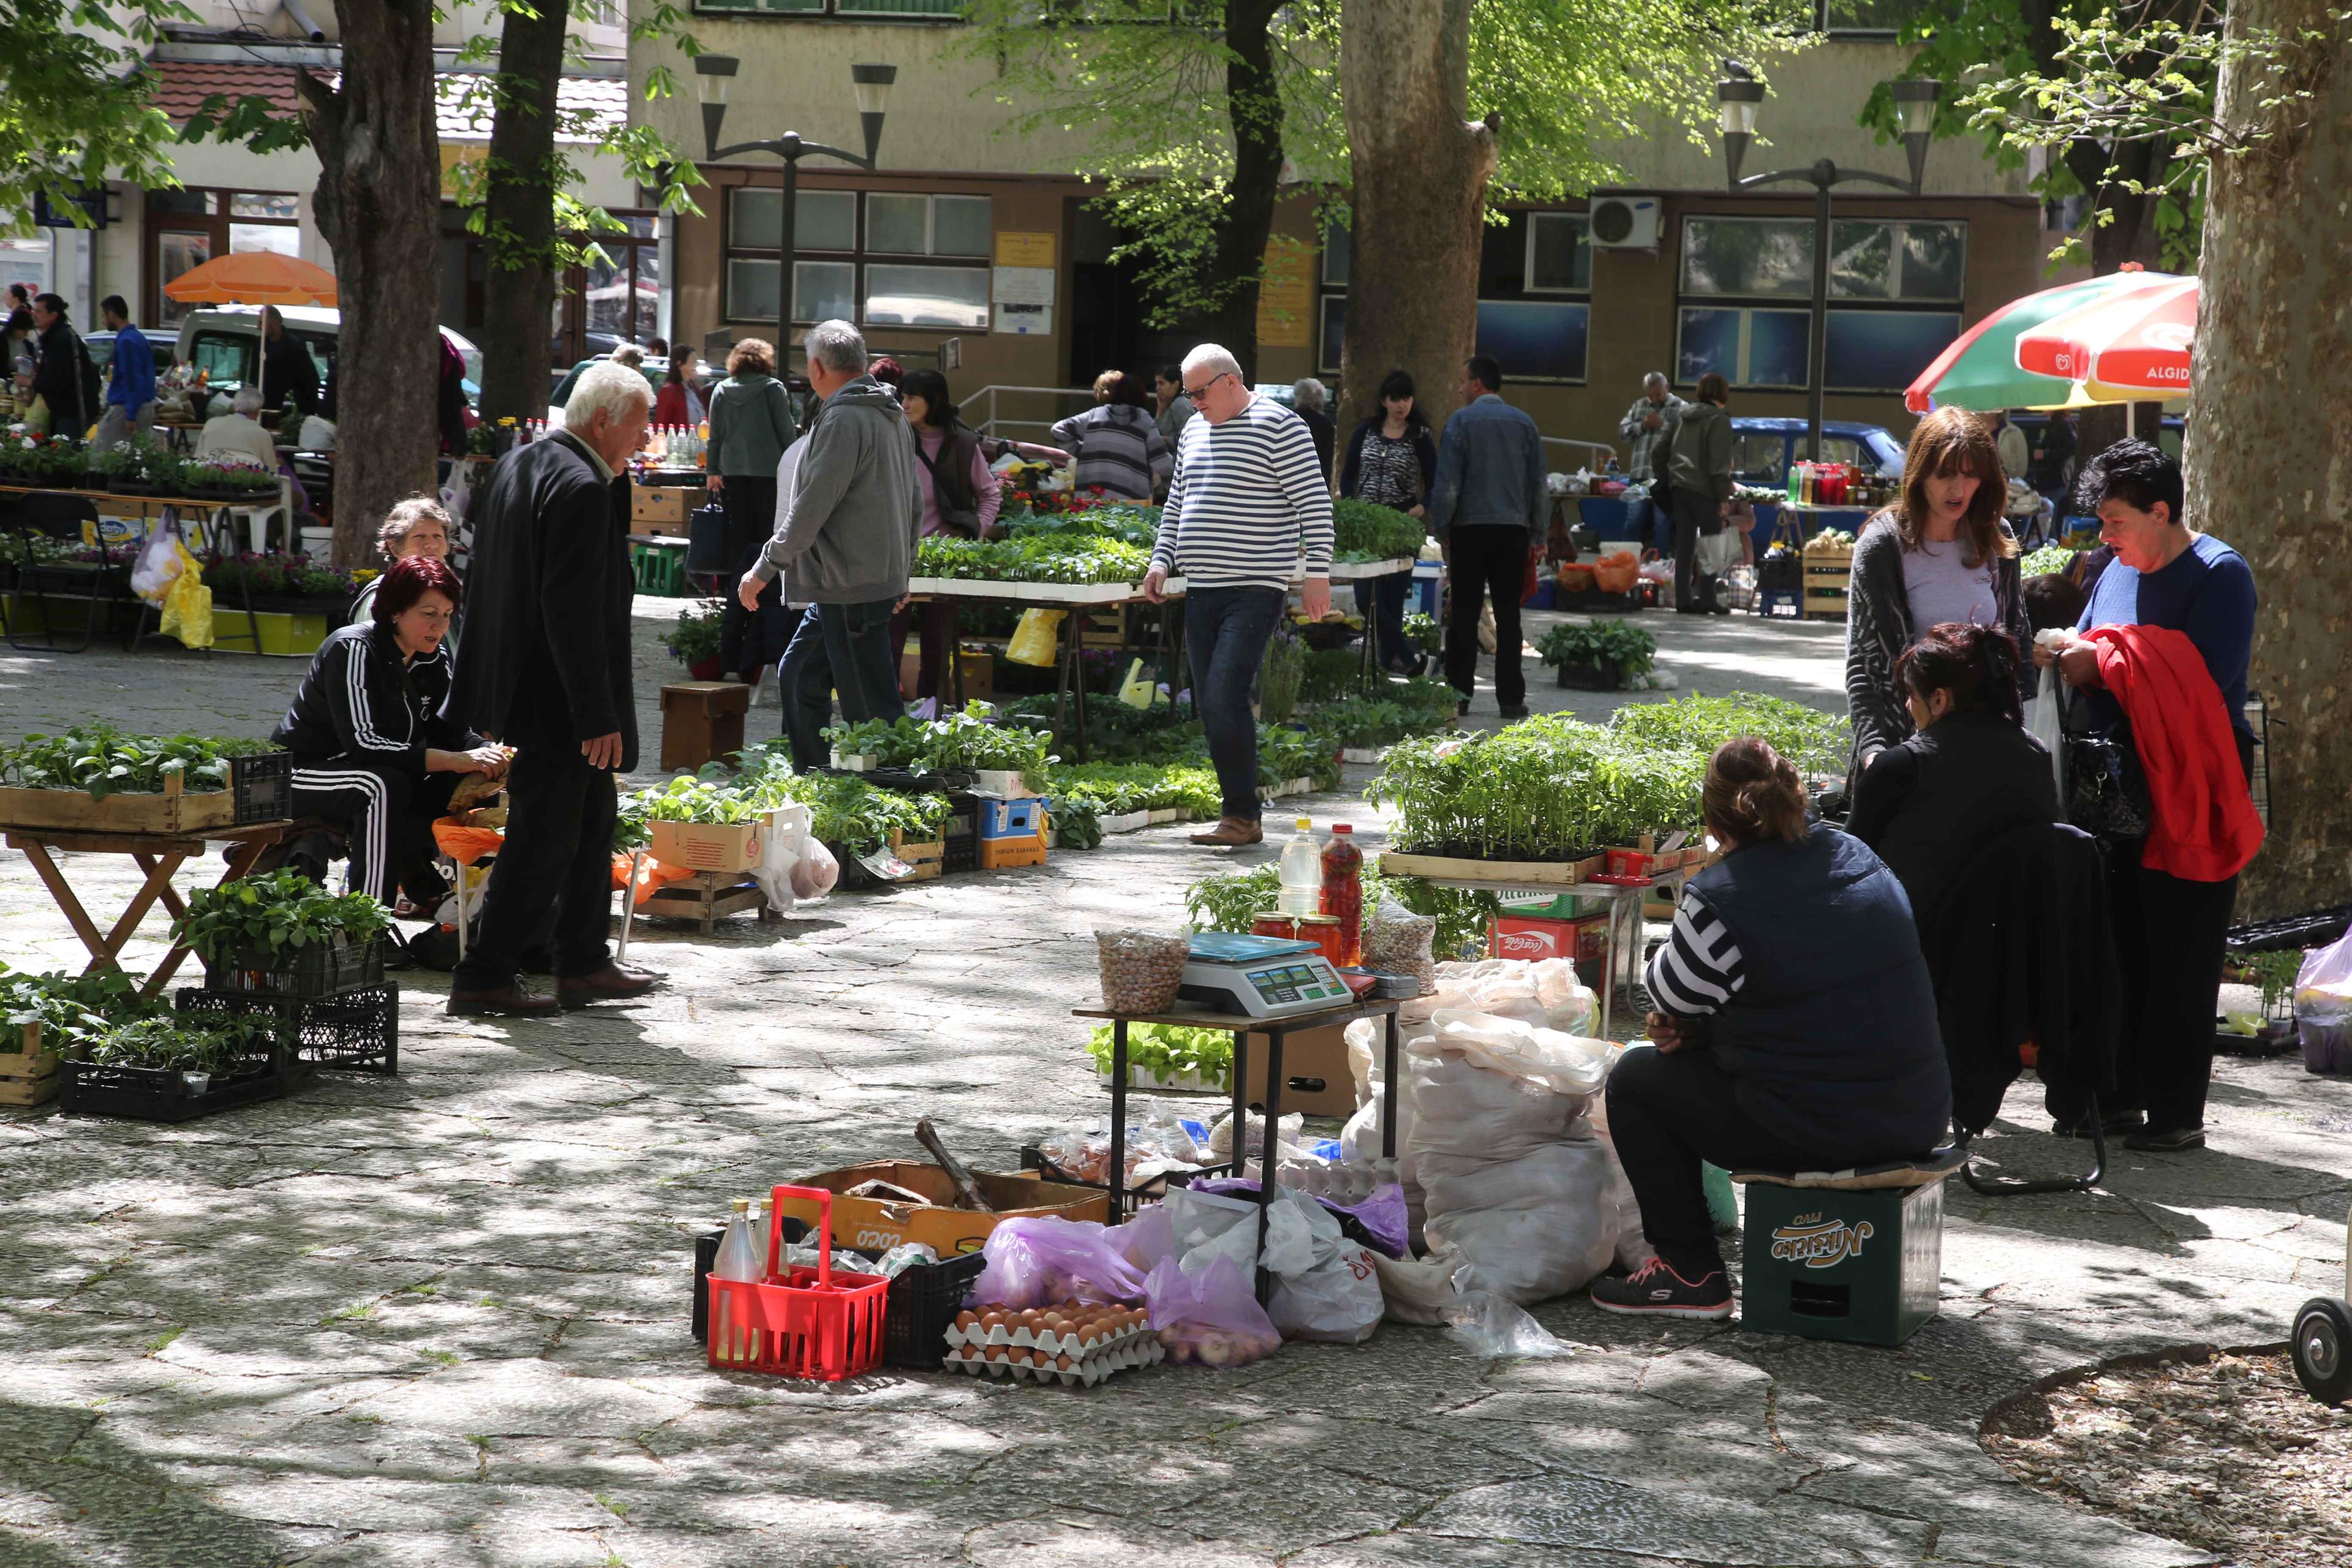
[1257,112]
[518,294]
[1420,168]
[2270,323]
[378,204]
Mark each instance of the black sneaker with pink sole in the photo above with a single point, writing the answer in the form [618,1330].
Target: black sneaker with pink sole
[1656,1290]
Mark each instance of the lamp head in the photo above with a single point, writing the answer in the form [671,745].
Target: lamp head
[1737,98]
[1915,113]
[872,85]
[713,75]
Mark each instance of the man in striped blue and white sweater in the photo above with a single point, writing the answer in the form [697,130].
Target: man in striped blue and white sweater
[1247,501]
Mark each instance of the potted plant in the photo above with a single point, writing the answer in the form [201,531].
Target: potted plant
[283,935]
[138,468]
[60,463]
[227,476]
[1597,656]
[694,642]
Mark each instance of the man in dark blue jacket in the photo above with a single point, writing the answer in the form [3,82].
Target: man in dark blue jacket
[548,672]
[1488,506]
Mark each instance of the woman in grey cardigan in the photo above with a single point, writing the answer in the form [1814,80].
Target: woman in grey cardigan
[1940,554]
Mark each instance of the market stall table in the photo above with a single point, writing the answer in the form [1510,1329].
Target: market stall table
[159,855]
[214,527]
[1624,894]
[1373,674]
[1241,1026]
[1068,596]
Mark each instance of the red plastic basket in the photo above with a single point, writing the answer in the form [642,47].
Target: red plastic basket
[799,1321]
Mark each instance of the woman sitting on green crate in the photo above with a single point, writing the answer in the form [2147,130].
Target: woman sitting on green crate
[1796,1031]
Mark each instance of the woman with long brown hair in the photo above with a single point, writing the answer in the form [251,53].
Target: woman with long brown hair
[1940,554]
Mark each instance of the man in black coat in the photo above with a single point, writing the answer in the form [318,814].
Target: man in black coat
[63,379]
[546,670]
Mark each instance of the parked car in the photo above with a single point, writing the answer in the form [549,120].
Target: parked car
[225,340]
[1762,447]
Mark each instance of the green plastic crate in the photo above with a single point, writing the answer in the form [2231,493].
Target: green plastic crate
[1826,1264]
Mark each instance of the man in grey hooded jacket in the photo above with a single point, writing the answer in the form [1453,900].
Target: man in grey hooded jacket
[845,539]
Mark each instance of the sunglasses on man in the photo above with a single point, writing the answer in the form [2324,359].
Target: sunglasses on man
[1201,391]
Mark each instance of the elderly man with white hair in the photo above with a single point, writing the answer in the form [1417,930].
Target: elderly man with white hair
[1649,431]
[1248,502]
[548,672]
[238,432]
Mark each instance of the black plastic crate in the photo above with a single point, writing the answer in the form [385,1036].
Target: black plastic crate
[960,833]
[158,1094]
[264,786]
[924,1300]
[359,1032]
[310,971]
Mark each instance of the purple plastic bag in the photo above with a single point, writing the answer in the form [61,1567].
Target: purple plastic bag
[1379,1222]
[1037,1262]
[1211,1318]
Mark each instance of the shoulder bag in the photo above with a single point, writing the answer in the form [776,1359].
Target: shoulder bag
[2107,791]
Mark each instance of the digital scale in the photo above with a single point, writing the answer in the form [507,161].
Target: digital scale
[1260,977]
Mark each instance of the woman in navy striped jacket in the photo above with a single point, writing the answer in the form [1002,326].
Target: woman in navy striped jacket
[375,754]
[1120,450]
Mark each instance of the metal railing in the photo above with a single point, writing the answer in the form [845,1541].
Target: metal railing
[1603,448]
[985,411]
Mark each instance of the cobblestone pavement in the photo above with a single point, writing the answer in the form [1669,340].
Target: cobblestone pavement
[441,1319]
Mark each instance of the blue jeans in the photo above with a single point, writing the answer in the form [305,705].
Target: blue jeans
[1225,635]
[836,647]
[1653,526]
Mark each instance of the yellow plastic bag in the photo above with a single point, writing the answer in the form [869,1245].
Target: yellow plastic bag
[1035,639]
[188,604]
[1138,689]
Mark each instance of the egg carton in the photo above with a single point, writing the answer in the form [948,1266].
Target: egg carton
[1054,1345]
[1139,1348]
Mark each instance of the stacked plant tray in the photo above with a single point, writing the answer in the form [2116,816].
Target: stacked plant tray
[1068,1358]
[358,1031]
[162,1094]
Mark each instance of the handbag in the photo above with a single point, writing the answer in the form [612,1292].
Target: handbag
[2107,790]
[1719,551]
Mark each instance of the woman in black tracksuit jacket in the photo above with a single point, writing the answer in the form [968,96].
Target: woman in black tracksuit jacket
[372,751]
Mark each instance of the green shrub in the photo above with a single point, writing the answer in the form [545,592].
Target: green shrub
[1363,531]
[1632,648]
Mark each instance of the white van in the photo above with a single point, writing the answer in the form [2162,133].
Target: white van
[226,340]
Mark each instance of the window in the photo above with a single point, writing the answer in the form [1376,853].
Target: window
[910,10]
[1863,18]
[1534,279]
[188,227]
[896,278]
[1747,287]
[1559,253]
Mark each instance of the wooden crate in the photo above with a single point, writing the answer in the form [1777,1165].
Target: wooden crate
[926,859]
[28,1076]
[168,813]
[1827,571]
[1522,873]
[706,898]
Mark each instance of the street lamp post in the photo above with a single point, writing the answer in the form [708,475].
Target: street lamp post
[714,74]
[1738,95]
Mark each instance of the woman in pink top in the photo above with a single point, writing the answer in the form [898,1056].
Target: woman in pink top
[961,499]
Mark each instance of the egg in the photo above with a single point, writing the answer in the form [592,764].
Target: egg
[1063,1362]
[992,1322]
[996,1353]
[965,1319]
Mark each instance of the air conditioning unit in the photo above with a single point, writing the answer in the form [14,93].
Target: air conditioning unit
[1624,223]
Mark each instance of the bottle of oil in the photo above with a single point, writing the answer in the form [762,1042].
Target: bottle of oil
[732,1343]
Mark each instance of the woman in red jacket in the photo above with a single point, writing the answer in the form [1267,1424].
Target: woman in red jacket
[678,403]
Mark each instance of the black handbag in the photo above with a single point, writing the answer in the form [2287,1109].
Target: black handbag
[2107,790]
[706,542]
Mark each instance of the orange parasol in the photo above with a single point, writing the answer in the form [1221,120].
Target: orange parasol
[254,278]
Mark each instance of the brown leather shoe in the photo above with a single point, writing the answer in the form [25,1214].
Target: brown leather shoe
[1232,832]
[610,984]
[511,1000]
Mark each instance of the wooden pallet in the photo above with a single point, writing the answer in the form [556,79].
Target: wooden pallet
[29,1076]
[927,860]
[706,898]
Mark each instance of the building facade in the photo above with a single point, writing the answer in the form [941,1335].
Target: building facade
[970,234]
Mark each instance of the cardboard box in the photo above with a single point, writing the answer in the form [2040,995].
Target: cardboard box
[870,1225]
[659,527]
[701,846]
[702,721]
[1316,1078]
[1586,939]
[660,503]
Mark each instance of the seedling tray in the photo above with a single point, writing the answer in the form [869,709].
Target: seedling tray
[158,1094]
[359,1032]
[312,971]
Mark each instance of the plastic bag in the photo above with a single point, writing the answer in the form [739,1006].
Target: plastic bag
[158,563]
[1614,573]
[1545,992]
[1221,1136]
[1208,1318]
[1337,1303]
[1141,970]
[2322,986]
[2045,720]
[815,872]
[1398,941]
[782,849]
[1564,1064]
[1035,640]
[1417,1290]
[187,603]
[1032,1262]
[1490,1326]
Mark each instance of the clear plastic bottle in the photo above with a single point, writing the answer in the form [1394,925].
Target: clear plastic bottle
[1302,872]
[739,1258]
[1343,889]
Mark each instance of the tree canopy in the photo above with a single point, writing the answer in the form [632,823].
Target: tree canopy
[76,110]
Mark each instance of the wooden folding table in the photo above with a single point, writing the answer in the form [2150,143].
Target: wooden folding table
[160,856]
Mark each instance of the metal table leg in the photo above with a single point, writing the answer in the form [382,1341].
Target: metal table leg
[1266,1157]
[1117,1175]
[1388,1095]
